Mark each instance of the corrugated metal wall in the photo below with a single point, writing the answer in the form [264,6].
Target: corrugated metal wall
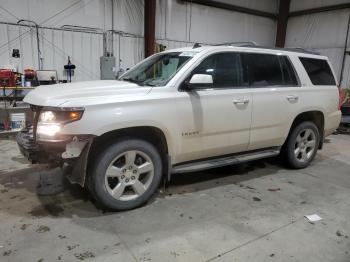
[177,24]
[324,32]
[56,45]
[189,23]
[84,48]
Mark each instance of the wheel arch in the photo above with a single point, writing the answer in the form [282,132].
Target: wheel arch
[315,116]
[151,134]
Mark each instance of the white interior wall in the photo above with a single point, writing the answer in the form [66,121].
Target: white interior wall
[84,49]
[297,5]
[53,13]
[324,32]
[56,45]
[178,24]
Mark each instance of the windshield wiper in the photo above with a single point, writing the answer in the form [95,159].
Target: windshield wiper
[131,80]
[140,83]
[148,84]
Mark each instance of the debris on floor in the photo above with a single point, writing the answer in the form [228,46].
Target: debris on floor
[85,255]
[42,229]
[256,199]
[313,218]
[274,189]
[341,234]
[51,182]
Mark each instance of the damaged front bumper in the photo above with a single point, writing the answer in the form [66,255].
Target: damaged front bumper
[70,152]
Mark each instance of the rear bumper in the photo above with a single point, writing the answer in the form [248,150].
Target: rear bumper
[332,122]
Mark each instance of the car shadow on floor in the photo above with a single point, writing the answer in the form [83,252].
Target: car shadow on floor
[29,184]
[234,174]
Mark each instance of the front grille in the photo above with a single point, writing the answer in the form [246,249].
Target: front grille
[36,111]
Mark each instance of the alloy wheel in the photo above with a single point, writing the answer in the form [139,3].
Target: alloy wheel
[129,175]
[305,145]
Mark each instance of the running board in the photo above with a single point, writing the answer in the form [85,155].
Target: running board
[224,161]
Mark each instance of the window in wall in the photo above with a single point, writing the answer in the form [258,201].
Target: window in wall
[318,70]
[225,68]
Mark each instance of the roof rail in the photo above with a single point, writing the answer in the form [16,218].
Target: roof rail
[196,45]
[291,49]
[240,44]
[255,45]
[302,50]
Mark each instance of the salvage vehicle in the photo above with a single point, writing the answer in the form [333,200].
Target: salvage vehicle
[183,110]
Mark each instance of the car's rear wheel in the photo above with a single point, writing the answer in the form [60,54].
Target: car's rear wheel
[302,144]
[126,174]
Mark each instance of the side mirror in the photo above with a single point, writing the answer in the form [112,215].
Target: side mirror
[200,80]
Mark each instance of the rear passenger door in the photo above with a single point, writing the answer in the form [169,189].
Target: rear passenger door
[275,96]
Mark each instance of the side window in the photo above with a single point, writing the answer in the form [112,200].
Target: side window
[318,70]
[263,69]
[225,69]
[289,77]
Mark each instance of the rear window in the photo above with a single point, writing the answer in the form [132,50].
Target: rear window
[318,70]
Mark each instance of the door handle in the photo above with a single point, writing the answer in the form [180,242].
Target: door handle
[292,98]
[241,101]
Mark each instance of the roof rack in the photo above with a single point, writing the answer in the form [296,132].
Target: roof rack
[301,50]
[240,44]
[290,49]
[255,45]
[196,45]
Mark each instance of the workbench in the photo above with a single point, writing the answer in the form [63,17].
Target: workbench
[21,91]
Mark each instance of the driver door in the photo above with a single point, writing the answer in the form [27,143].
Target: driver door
[216,121]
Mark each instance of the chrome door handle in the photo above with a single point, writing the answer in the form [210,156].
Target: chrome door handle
[241,101]
[292,98]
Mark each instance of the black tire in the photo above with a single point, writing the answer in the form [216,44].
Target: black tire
[290,146]
[105,158]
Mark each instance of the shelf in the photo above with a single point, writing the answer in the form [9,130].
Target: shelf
[18,87]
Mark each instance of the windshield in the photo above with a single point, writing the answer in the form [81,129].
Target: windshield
[158,70]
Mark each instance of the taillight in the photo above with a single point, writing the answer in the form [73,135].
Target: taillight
[340,98]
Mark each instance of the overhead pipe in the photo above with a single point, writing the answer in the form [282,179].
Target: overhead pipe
[37,40]
[86,29]
[82,29]
[112,40]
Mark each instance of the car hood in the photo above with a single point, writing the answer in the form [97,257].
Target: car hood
[80,93]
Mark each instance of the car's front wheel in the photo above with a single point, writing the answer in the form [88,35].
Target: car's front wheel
[302,144]
[126,174]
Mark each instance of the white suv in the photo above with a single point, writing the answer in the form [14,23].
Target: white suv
[180,111]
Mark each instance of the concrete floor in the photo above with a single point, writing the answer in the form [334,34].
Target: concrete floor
[251,212]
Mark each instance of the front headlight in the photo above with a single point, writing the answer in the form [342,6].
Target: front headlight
[51,121]
[47,116]
[49,130]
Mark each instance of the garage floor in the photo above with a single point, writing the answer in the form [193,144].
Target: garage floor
[251,212]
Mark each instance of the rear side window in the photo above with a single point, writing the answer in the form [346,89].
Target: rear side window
[269,70]
[318,70]
[289,77]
